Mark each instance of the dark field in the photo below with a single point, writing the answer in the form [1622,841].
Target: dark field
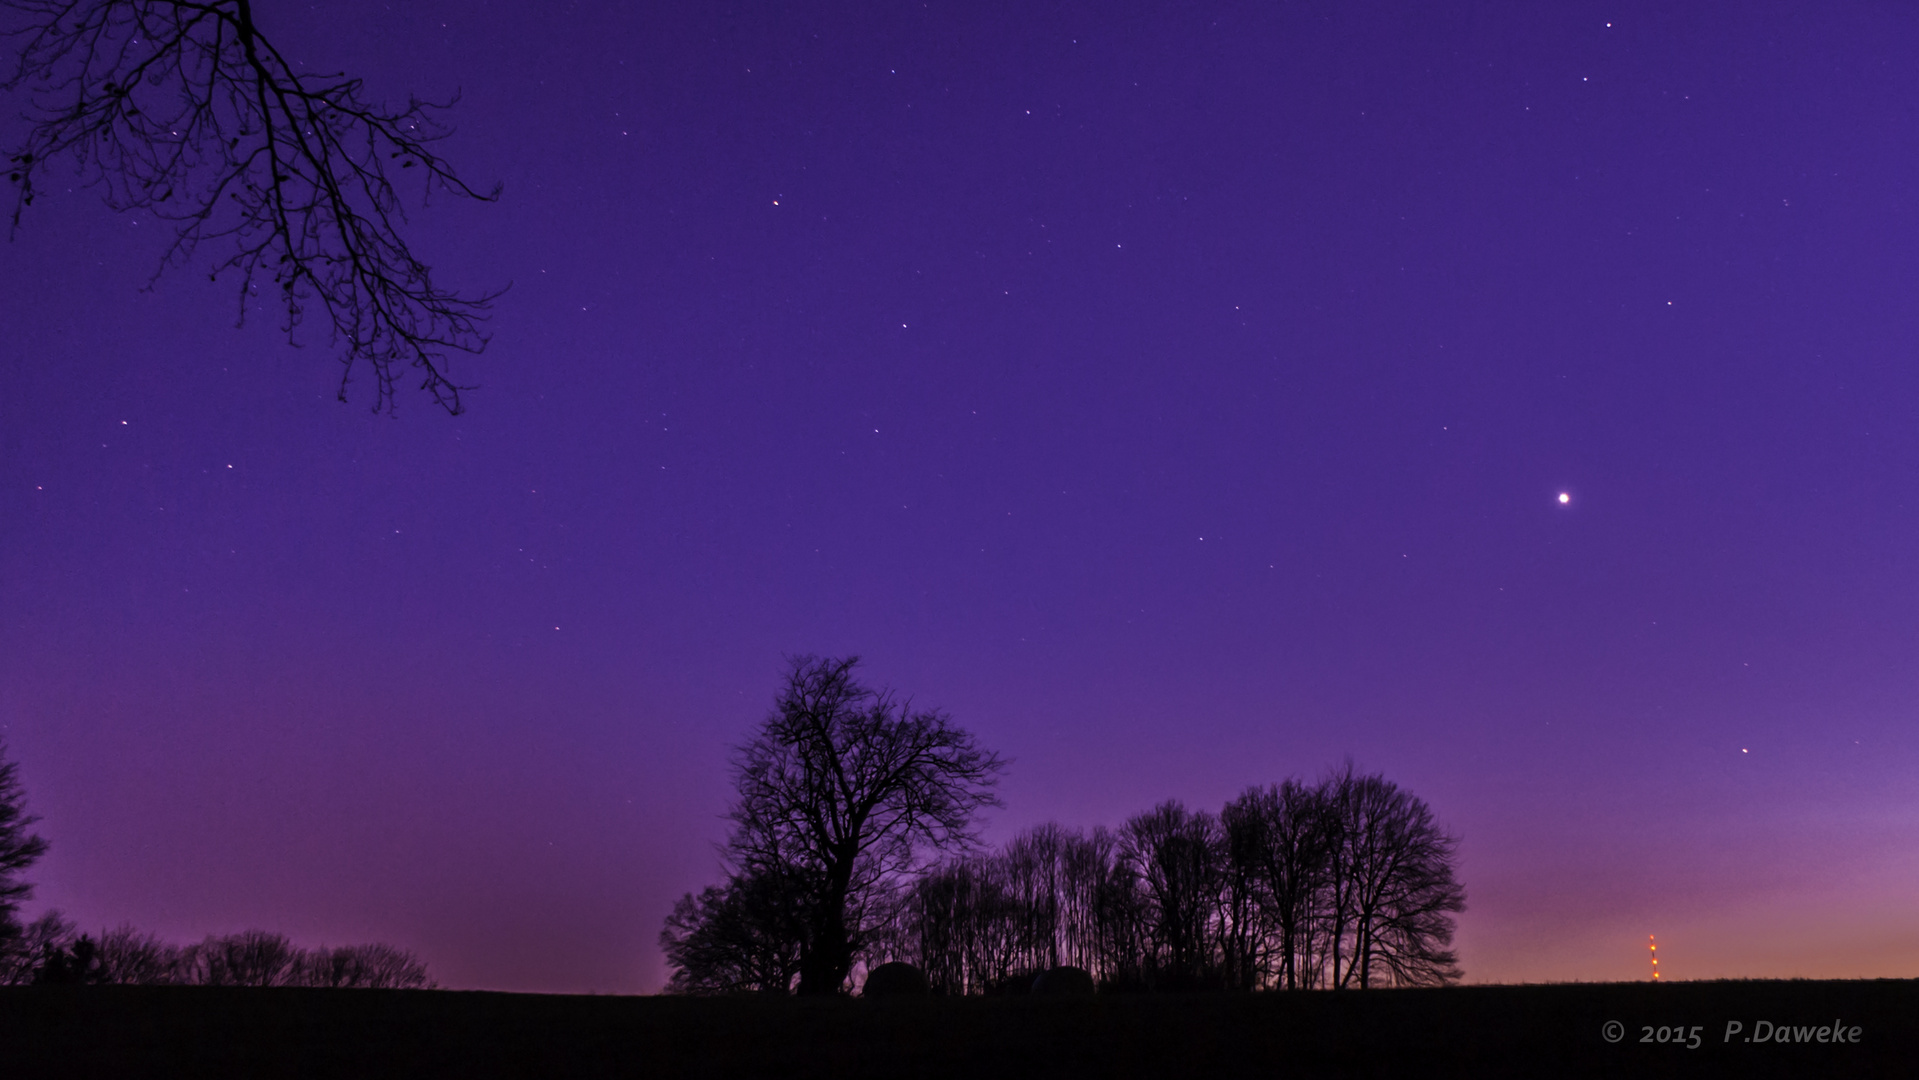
[1482,1031]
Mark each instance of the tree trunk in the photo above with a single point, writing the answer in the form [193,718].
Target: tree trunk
[828,958]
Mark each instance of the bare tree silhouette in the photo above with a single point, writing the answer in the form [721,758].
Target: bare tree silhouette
[739,938]
[1399,892]
[47,938]
[373,967]
[1051,897]
[841,792]
[186,110]
[1277,838]
[251,958]
[1179,859]
[129,956]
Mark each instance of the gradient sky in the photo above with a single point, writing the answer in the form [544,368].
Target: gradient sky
[1179,395]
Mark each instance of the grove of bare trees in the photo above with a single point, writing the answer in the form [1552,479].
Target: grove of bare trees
[1345,884]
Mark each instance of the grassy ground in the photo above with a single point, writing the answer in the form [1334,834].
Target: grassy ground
[1478,1031]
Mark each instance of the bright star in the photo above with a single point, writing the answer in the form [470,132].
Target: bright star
[1564,498]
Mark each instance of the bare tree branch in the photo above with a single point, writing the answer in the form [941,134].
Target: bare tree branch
[185,110]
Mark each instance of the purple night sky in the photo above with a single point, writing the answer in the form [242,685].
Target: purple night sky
[1178,395]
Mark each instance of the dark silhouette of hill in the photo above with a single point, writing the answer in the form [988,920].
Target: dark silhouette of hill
[1478,1031]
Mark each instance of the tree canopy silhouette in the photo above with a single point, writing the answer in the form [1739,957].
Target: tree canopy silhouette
[186,110]
[54,951]
[19,850]
[841,792]
[739,938]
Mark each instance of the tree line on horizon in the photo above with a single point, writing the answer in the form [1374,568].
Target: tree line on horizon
[51,950]
[854,845]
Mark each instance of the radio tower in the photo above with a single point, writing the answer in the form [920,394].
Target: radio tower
[1652,944]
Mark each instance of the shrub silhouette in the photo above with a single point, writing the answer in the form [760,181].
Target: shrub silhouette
[897,979]
[1063,981]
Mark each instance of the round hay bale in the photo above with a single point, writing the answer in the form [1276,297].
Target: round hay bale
[1063,981]
[896,979]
